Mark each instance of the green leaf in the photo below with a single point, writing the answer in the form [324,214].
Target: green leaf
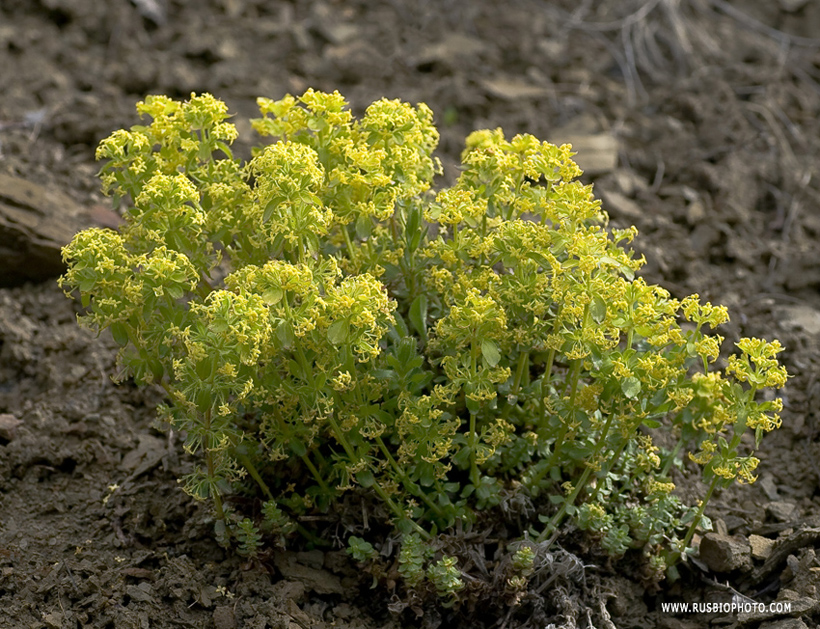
[540,259]
[285,334]
[120,333]
[490,352]
[205,368]
[271,207]
[427,474]
[224,148]
[597,308]
[174,290]
[462,457]
[86,284]
[204,400]
[219,326]
[338,331]
[297,447]
[418,315]
[366,478]
[273,296]
[631,387]
[364,224]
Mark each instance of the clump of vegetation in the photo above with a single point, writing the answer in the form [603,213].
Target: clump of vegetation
[324,324]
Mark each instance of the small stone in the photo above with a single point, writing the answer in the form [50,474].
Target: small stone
[224,618]
[512,89]
[285,590]
[695,212]
[595,154]
[703,238]
[767,484]
[318,580]
[8,426]
[799,317]
[312,559]
[35,223]
[733,522]
[781,511]
[618,204]
[142,592]
[298,615]
[761,546]
[792,6]
[785,623]
[455,46]
[725,553]
[629,183]
[797,607]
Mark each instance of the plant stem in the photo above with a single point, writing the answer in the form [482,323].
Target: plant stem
[246,462]
[405,480]
[209,462]
[559,440]
[351,251]
[671,459]
[523,363]
[611,463]
[314,472]
[475,477]
[545,380]
[351,453]
[580,485]
[696,522]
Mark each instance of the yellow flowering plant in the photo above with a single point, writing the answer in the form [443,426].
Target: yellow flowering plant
[325,326]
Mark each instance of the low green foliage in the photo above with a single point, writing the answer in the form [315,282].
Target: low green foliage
[324,323]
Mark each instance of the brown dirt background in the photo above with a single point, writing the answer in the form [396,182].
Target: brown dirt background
[712,109]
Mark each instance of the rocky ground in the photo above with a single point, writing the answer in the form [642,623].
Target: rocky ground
[697,121]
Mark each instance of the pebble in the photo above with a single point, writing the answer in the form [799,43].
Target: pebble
[781,511]
[725,553]
[761,546]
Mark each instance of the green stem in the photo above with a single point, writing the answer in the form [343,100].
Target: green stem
[696,522]
[405,480]
[739,429]
[314,472]
[209,462]
[671,459]
[556,520]
[559,441]
[351,453]
[246,462]
[301,250]
[545,380]
[610,464]
[351,251]
[562,512]
[523,363]
[475,477]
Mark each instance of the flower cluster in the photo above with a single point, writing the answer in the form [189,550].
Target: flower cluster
[317,338]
